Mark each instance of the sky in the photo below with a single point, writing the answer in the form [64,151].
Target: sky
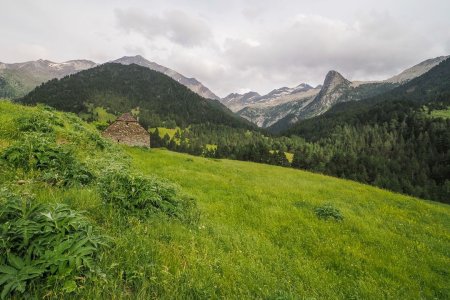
[232,45]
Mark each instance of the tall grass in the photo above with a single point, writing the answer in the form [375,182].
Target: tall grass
[259,235]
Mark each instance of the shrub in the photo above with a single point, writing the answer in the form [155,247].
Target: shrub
[328,211]
[143,196]
[57,164]
[44,243]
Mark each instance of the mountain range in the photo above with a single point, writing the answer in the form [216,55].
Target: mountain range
[277,110]
[18,79]
[282,107]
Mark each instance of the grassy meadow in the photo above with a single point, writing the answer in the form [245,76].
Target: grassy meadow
[258,234]
[442,113]
[259,237]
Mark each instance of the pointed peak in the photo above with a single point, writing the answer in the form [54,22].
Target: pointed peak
[135,58]
[334,78]
[334,73]
[232,95]
[251,93]
[302,87]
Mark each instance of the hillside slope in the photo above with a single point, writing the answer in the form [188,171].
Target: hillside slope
[20,78]
[122,88]
[258,234]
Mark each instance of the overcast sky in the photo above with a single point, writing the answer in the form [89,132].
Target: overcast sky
[233,45]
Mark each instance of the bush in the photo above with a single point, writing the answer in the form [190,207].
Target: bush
[143,196]
[328,211]
[46,243]
[58,166]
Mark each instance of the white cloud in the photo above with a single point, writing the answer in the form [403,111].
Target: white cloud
[174,25]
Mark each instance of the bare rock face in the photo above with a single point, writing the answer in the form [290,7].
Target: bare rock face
[236,102]
[334,86]
[416,70]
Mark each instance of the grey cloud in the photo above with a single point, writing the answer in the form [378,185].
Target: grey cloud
[374,45]
[252,12]
[175,25]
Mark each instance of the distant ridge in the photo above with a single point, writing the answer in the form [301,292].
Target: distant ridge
[17,79]
[192,83]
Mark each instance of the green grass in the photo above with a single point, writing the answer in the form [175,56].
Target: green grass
[163,131]
[259,235]
[289,156]
[98,114]
[211,147]
[444,113]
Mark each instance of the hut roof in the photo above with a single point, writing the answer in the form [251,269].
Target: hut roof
[126,117]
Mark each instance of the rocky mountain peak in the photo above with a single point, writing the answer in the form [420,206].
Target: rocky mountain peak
[141,61]
[302,87]
[252,94]
[333,87]
[232,95]
[334,79]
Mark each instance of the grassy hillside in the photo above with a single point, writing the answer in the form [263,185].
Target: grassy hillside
[441,113]
[261,232]
[259,235]
[16,83]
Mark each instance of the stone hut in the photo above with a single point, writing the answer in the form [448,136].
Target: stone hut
[127,130]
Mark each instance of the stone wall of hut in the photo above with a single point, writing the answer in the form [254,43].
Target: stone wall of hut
[128,133]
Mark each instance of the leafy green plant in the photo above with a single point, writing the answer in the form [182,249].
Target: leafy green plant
[49,243]
[327,212]
[57,164]
[143,195]
[34,123]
